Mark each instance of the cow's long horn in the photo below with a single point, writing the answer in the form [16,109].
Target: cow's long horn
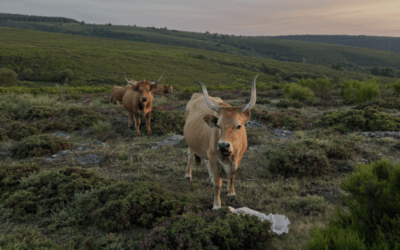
[131,82]
[253,96]
[159,79]
[207,98]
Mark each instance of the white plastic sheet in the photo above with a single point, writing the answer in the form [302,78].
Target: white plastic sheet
[279,222]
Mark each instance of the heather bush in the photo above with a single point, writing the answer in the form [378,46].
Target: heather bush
[309,157]
[354,91]
[65,75]
[396,86]
[298,92]
[369,119]
[321,87]
[3,135]
[102,128]
[166,121]
[43,192]
[210,230]
[287,103]
[27,239]
[21,130]
[8,77]
[289,119]
[121,206]
[26,75]
[371,219]
[39,145]
[11,174]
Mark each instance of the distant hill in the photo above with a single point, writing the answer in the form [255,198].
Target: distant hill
[5,17]
[339,57]
[372,42]
[105,61]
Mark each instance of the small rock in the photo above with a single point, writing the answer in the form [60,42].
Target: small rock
[278,133]
[62,134]
[89,158]
[172,140]
[253,124]
[99,143]
[256,148]
[84,148]
[54,156]
[183,109]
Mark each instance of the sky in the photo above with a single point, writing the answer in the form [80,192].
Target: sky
[232,17]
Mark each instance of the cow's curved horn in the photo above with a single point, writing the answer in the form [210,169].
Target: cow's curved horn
[253,96]
[131,82]
[159,79]
[207,98]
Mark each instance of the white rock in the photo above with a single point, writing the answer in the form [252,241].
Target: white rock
[279,222]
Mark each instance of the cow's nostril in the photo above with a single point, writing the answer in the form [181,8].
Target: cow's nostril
[144,99]
[224,145]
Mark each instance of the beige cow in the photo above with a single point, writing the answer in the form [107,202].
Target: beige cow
[162,90]
[215,132]
[138,100]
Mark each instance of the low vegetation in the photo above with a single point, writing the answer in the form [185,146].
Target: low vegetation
[372,217]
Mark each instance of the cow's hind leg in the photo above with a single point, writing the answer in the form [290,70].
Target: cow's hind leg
[130,116]
[148,116]
[188,175]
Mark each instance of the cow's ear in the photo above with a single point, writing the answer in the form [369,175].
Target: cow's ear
[153,86]
[211,120]
[247,115]
[134,87]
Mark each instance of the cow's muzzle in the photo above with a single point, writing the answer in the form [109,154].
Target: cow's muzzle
[224,148]
[144,99]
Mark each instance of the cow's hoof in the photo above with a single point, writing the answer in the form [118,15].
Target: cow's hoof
[149,133]
[188,179]
[216,208]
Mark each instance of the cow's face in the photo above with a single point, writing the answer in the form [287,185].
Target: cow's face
[231,128]
[170,89]
[144,88]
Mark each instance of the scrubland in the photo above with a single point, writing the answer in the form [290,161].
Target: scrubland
[338,187]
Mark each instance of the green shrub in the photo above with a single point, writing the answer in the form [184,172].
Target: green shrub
[3,135]
[369,119]
[210,230]
[372,220]
[121,206]
[297,159]
[21,130]
[27,239]
[166,121]
[8,77]
[47,191]
[290,119]
[65,75]
[287,103]
[396,86]
[11,174]
[39,145]
[298,92]
[26,75]
[322,87]
[102,128]
[41,112]
[356,92]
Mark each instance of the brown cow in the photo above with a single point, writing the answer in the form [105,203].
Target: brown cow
[138,100]
[118,92]
[162,90]
[215,131]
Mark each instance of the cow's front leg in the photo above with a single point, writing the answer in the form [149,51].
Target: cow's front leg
[148,123]
[231,187]
[188,175]
[137,119]
[217,184]
[210,176]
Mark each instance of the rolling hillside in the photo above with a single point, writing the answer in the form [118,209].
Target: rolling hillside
[104,61]
[352,58]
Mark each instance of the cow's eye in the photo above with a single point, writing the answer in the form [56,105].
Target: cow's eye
[238,127]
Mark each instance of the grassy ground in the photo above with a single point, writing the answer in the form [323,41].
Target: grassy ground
[307,200]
